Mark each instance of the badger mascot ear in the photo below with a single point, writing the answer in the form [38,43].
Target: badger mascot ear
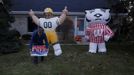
[86,12]
[107,10]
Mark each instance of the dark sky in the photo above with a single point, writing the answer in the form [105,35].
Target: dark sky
[58,5]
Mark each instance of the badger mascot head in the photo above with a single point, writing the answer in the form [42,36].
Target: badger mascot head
[97,16]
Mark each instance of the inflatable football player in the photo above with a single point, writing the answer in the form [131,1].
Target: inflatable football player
[49,24]
[97,31]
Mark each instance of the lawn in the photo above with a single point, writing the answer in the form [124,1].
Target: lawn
[73,61]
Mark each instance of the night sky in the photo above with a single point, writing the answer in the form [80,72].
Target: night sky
[58,5]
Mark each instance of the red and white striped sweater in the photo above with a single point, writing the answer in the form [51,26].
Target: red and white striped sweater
[96,32]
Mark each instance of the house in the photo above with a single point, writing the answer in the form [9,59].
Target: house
[24,24]
[76,8]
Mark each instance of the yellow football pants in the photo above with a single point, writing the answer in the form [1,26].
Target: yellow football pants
[51,36]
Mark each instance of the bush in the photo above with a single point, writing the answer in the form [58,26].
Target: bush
[9,39]
[26,37]
[10,42]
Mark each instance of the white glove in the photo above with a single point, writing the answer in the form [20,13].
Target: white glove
[106,37]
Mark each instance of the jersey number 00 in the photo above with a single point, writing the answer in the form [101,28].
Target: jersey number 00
[47,24]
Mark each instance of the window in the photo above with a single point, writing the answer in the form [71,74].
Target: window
[31,25]
[80,24]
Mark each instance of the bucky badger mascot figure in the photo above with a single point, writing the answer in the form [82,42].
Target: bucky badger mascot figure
[97,31]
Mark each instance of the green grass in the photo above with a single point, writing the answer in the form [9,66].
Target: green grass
[74,61]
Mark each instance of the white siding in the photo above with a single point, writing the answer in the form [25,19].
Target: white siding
[20,24]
